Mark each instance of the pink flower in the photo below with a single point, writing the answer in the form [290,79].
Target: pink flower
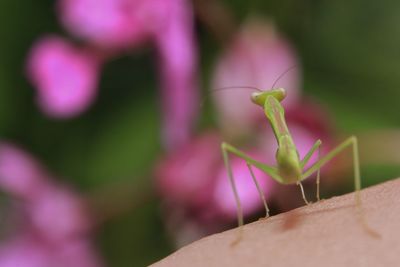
[116,25]
[178,68]
[22,252]
[30,251]
[108,23]
[20,174]
[52,225]
[78,253]
[58,214]
[197,194]
[65,77]
[256,57]
[185,176]
[195,178]
[308,121]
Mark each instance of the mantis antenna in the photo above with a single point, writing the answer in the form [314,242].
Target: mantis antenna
[237,87]
[227,88]
[283,74]
[253,87]
[248,87]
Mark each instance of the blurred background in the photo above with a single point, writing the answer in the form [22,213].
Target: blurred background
[111,119]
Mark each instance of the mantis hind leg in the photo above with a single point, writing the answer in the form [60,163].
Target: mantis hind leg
[351,141]
[260,191]
[250,162]
[318,174]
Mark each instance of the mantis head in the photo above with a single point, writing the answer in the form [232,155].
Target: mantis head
[259,98]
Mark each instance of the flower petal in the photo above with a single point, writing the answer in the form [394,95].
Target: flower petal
[65,77]
[256,57]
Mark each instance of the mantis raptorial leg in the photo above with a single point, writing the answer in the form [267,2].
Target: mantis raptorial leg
[260,191]
[225,147]
[317,145]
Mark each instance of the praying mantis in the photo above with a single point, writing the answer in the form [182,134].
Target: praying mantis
[290,169]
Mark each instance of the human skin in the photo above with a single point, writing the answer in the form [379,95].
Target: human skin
[327,233]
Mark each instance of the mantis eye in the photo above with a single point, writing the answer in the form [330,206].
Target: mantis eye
[255,98]
[255,95]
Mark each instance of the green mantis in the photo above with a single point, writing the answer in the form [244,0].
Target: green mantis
[290,169]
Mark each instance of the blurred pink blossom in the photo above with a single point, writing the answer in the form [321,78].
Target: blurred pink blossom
[257,57]
[196,179]
[54,224]
[59,214]
[20,174]
[65,77]
[178,68]
[108,23]
[22,252]
[308,121]
[30,251]
[197,195]
[186,175]
[105,22]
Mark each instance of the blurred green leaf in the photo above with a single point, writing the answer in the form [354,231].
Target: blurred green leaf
[137,239]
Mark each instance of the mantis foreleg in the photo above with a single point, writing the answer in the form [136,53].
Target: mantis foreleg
[250,161]
[307,157]
[260,192]
[351,141]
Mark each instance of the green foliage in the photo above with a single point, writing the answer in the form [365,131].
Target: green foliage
[136,239]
